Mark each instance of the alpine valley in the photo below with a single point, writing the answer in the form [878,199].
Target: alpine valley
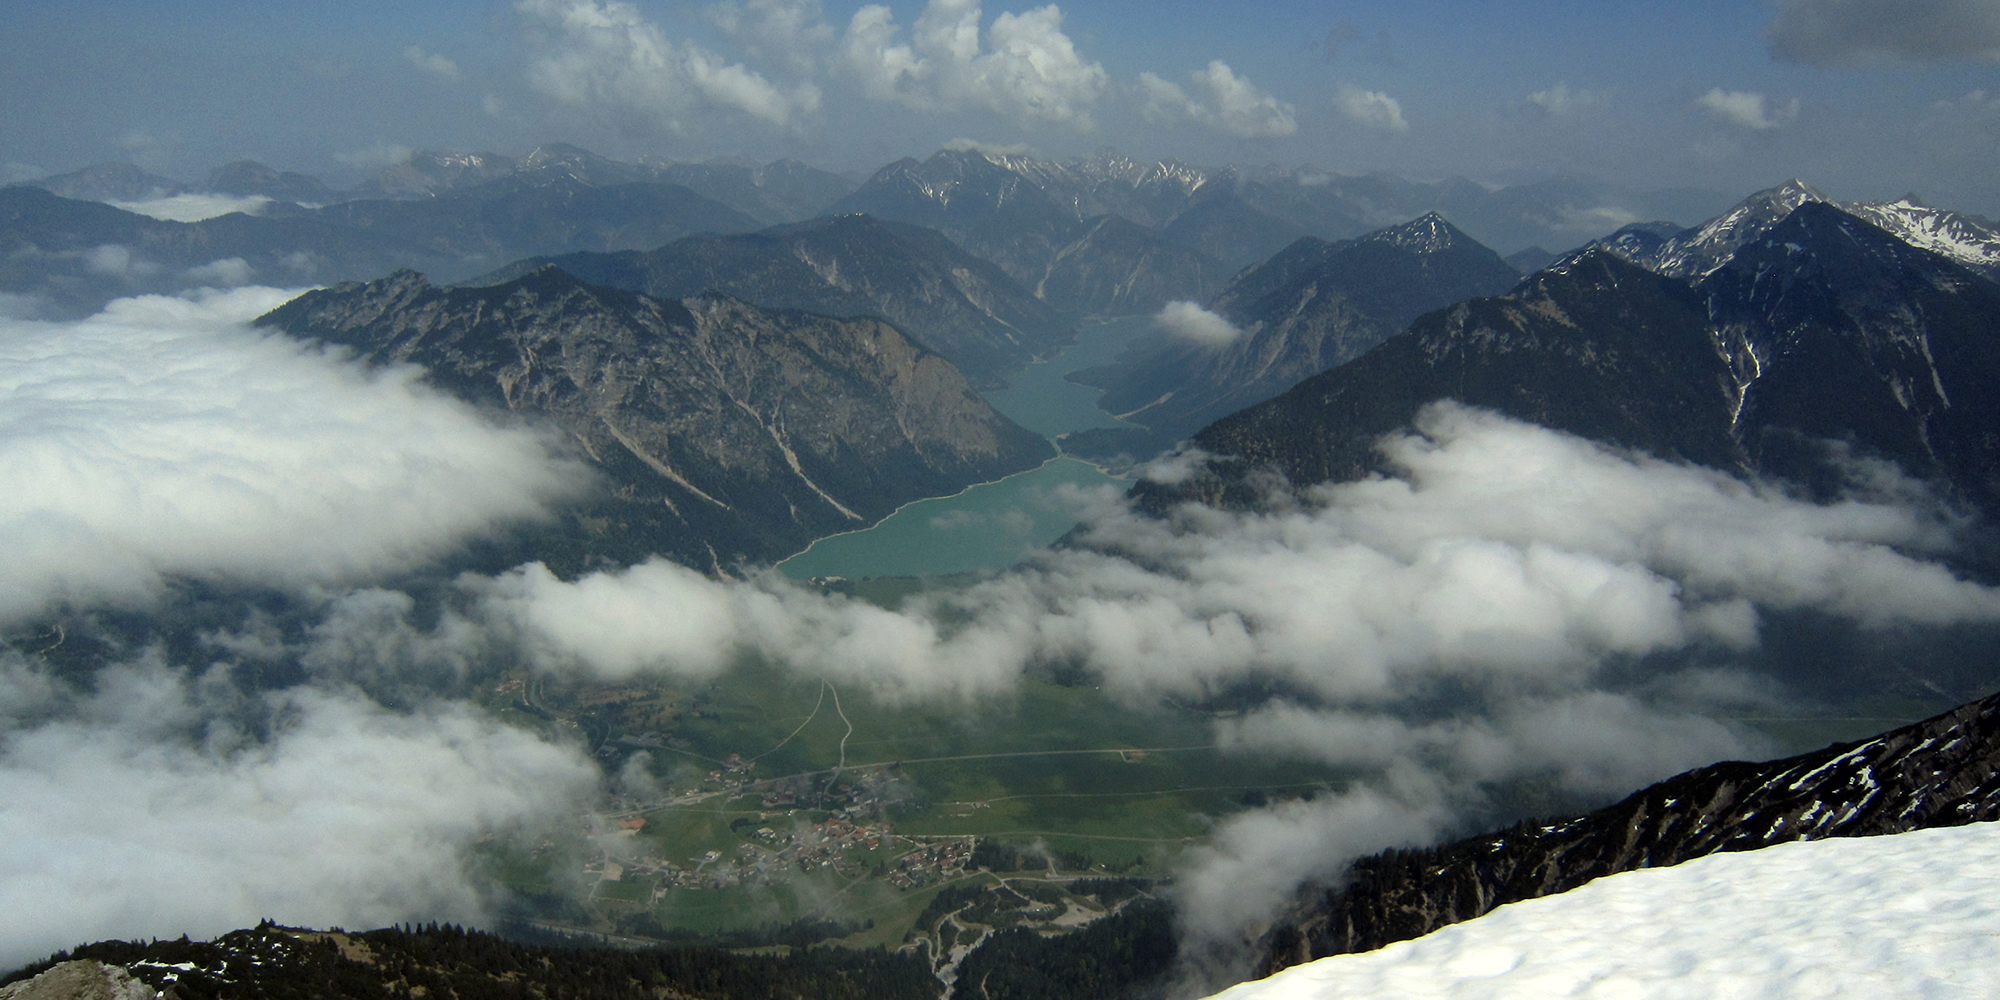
[1451,571]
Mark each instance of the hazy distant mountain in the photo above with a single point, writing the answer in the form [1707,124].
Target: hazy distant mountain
[725,431]
[851,265]
[777,192]
[562,215]
[1034,233]
[1944,771]
[1823,328]
[76,255]
[110,182]
[782,191]
[431,172]
[1310,307]
[246,178]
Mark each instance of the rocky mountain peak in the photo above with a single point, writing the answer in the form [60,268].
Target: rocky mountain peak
[1427,233]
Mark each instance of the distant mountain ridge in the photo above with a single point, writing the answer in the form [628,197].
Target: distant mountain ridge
[956,304]
[1694,253]
[726,432]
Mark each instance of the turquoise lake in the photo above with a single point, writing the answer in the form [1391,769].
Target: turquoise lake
[994,525]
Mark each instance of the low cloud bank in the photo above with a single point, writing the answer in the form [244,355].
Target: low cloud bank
[195,207]
[138,809]
[165,437]
[1487,615]
[1514,603]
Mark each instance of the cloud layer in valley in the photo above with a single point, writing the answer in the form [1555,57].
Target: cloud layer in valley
[138,808]
[1516,603]
[165,437]
[1513,604]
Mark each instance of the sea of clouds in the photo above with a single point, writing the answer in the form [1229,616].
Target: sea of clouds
[1513,604]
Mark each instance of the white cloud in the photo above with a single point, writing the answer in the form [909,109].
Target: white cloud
[1372,108]
[964,145]
[1228,103]
[1189,321]
[1026,69]
[118,261]
[164,437]
[1504,554]
[606,54]
[1560,100]
[432,63]
[195,207]
[1748,109]
[793,33]
[142,809]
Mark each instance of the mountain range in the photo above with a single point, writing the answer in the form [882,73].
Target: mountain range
[1817,340]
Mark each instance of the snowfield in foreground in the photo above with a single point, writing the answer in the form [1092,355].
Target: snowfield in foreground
[1913,915]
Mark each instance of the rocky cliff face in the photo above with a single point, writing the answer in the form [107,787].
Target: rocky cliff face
[952,302]
[726,432]
[1824,328]
[1944,771]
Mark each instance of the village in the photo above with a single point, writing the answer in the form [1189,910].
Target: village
[853,839]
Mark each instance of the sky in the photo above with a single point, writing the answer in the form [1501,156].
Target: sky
[1864,99]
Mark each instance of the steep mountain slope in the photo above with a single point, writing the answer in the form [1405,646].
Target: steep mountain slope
[1825,328]
[726,432]
[852,265]
[1944,771]
[1312,306]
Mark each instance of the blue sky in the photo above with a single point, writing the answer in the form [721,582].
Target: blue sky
[1865,98]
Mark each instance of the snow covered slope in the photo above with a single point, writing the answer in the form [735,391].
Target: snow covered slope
[1915,914]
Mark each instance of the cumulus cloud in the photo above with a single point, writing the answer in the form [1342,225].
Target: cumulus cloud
[1861,32]
[1025,68]
[1372,108]
[432,63]
[138,809]
[195,207]
[1747,109]
[964,145]
[1560,100]
[793,33]
[1226,102]
[164,437]
[606,54]
[1189,321]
